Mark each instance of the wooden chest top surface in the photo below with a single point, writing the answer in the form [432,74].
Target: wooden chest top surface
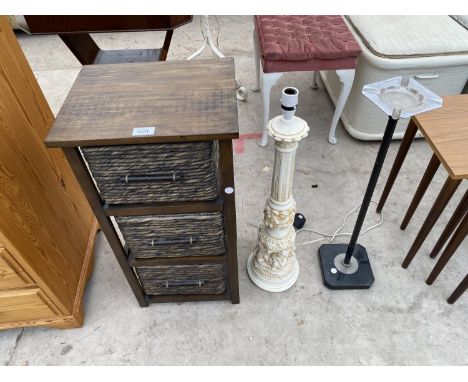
[123,104]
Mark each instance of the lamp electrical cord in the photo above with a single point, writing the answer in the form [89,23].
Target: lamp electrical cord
[331,237]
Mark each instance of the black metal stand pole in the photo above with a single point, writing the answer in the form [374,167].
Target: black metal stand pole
[387,138]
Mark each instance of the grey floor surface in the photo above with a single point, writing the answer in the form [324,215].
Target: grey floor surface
[400,320]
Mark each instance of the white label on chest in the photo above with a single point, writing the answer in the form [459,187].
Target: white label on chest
[142,131]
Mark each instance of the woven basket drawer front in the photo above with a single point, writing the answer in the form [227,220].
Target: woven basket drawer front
[165,172]
[183,279]
[174,235]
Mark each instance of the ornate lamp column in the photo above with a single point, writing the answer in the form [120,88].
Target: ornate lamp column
[273,265]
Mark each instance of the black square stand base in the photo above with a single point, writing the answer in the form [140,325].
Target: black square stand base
[334,279]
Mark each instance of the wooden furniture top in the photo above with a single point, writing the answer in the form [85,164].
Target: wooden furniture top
[181,100]
[446,130]
[99,23]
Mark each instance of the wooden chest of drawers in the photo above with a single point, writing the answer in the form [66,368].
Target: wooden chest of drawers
[151,145]
[47,228]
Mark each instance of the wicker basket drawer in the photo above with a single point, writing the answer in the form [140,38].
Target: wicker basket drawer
[174,235]
[165,172]
[183,279]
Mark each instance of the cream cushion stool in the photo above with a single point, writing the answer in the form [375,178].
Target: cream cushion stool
[303,43]
[431,49]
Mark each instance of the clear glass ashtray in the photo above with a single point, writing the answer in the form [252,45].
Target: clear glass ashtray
[401,97]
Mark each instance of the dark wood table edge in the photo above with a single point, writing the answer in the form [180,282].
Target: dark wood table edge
[57,143]
[189,20]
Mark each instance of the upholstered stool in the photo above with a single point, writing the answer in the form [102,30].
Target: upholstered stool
[303,43]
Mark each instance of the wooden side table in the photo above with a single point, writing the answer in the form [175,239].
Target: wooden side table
[134,111]
[446,131]
[75,33]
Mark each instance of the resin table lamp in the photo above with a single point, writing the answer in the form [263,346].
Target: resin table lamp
[347,266]
[273,265]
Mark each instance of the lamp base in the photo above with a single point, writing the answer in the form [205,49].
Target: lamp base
[272,285]
[359,274]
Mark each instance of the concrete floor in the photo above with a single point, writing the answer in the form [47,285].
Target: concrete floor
[400,320]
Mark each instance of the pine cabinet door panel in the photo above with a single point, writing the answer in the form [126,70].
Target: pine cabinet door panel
[11,274]
[23,304]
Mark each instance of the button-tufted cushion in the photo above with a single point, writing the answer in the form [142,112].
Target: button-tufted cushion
[294,43]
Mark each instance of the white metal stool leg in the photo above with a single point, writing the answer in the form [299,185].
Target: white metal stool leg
[256,88]
[268,81]
[346,79]
[315,84]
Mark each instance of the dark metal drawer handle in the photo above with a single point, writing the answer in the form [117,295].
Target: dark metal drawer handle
[189,240]
[169,284]
[175,176]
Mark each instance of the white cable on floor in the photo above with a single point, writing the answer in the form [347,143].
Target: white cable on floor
[331,237]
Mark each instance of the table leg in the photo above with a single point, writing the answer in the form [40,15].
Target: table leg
[228,190]
[452,246]
[166,44]
[400,157]
[82,45]
[452,224]
[461,288]
[86,182]
[449,188]
[431,169]
[85,49]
